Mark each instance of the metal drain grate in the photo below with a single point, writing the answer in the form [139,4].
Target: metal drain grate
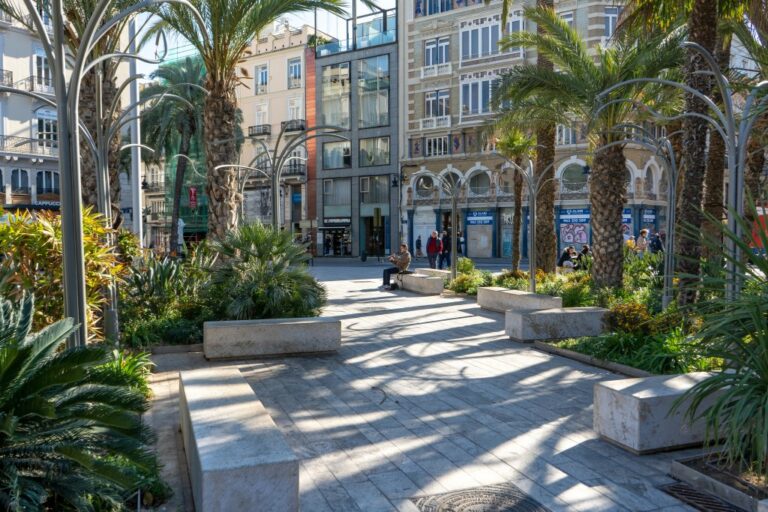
[697,499]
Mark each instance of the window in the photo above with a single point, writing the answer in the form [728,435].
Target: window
[611,18]
[437,103]
[374,190]
[47,182]
[436,146]
[567,17]
[476,97]
[514,25]
[47,129]
[42,71]
[337,155]
[337,197]
[480,42]
[565,135]
[335,95]
[436,51]
[480,183]
[294,109]
[374,151]
[573,179]
[373,91]
[262,113]
[262,79]
[294,73]
[427,7]
[19,181]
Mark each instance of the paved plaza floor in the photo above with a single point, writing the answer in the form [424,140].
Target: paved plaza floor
[426,396]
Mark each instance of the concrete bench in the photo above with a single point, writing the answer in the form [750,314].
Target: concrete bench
[634,413]
[501,299]
[552,324]
[237,457]
[276,336]
[420,283]
[433,272]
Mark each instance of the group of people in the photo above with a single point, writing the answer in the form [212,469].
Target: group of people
[438,249]
[570,259]
[646,241]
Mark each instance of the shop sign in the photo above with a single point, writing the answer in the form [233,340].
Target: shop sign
[296,197]
[337,221]
[193,197]
[574,216]
[626,216]
[649,216]
[479,218]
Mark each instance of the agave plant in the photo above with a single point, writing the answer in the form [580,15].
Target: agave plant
[264,273]
[67,434]
[737,332]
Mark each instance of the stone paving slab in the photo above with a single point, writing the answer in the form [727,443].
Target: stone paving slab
[427,395]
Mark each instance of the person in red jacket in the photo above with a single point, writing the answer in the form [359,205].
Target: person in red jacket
[434,247]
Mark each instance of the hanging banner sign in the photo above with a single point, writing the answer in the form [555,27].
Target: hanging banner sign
[193,197]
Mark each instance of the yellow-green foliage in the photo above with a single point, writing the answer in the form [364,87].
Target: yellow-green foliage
[31,245]
[630,317]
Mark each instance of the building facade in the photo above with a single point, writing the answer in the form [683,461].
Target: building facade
[358,172]
[452,62]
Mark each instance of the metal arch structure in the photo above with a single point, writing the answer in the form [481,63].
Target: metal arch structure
[734,130]
[250,172]
[67,101]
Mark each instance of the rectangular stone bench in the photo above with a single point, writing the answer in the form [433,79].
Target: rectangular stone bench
[433,272]
[237,457]
[552,324]
[276,336]
[634,413]
[420,283]
[501,299]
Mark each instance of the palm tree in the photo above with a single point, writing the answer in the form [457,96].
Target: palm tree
[572,93]
[230,26]
[172,126]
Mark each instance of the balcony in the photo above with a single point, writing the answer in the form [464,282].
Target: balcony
[36,84]
[5,17]
[434,70]
[46,23]
[260,89]
[23,145]
[433,123]
[260,130]
[294,125]
[153,186]
[294,83]
[6,77]
[295,169]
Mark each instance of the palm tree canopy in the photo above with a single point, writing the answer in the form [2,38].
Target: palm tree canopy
[667,14]
[574,89]
[230,26]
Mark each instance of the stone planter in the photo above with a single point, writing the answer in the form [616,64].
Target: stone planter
[635,413]
[715,487]
[273,337]
[623,369]
[433,272]
[553,324]
[501,299]
[420,283]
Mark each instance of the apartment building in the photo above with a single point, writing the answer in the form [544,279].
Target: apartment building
[452,61]
[358,174]
[273,99]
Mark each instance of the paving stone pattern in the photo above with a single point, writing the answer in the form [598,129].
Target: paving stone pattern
[427,396]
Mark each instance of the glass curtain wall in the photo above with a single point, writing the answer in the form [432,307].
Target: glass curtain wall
[335,95]
[373,91]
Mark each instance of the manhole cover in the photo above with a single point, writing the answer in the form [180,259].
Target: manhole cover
[697,499]
[490,498]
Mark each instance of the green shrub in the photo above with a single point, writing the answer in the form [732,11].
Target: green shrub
[169,330]
[469,283]
[65,424]
[128,369]
[464,266]
[629,317]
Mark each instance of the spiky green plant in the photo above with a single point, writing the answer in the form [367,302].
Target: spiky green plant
[66,434]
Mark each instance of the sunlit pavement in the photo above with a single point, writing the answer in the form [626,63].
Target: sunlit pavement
[425,396]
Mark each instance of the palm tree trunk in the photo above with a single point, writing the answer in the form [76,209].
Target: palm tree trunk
[219,115]
[702,28]
[607,204]
[713,181]
[546,238]
[88,115]
[755,166]
[517,220]
[181,167]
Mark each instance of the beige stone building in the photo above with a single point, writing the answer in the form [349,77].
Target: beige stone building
[452,60]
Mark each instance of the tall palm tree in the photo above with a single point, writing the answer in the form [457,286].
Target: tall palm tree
[172,126]
[571,93]
[230,26]
[518,147]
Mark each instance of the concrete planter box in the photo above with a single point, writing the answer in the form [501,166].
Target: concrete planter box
[623,369]
[237,457]
[634,413]
[433,272]
[706,483]
[419,283]
[277,336]
[501,299]
[553,324]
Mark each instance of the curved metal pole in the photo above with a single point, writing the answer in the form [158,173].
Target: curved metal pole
[243,182]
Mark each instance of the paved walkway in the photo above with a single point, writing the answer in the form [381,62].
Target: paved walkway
[427,395]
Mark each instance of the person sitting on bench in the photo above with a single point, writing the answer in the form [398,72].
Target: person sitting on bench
[401,260]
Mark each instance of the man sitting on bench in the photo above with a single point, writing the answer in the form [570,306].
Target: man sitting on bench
[401,260]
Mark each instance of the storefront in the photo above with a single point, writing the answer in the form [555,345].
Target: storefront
[480,236]
[424,223]
[648,216]
[507,216]
[335,236]
[573,228]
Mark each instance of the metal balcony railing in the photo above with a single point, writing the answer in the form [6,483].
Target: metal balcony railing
[6,77]
[259,130]
[260,89]
[36,84]
[437,70]
[295,169]
[24,145]
[21,191]
[294,125]
[431,123]
[48,191]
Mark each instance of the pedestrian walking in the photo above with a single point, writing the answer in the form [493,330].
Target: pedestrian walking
[641,243]
[445,254]
[419,254]
[434,247]
[655,246]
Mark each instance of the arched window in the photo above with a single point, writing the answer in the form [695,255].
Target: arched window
[628,179]
[425,186]
[663,183]
[20,181]
[507,182]
[47,182]
[480,183]
[573,179]
[648,181]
